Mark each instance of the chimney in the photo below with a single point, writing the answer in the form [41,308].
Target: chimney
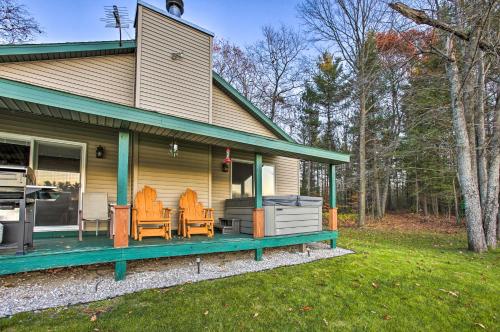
[175,7]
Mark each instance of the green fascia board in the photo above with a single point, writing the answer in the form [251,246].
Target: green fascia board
[28,49]
[55,98]
[246,104]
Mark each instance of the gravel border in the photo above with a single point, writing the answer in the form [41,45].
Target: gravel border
[64,288]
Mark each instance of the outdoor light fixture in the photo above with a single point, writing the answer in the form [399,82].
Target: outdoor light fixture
[99,152]
[174,148]
[308,252]
[227,161]
[198,262]
[178,55]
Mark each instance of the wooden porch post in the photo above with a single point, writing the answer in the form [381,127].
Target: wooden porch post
[258,212]
[121,217]
[122,208]
[332,215]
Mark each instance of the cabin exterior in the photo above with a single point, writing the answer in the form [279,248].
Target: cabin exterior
[102,117]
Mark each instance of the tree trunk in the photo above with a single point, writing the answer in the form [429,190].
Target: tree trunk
[362,160]
[473,215]
[482,174]
[416,193]
[455,198]
[435,205]
[424,205]
[385,194]
[378,199]
[491,210]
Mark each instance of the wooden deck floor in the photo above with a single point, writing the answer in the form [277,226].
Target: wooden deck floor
[68,251]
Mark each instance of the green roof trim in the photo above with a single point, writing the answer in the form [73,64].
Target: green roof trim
[30,49]
[246,104]
[39,95]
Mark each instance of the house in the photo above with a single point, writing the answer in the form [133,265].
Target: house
[104,117]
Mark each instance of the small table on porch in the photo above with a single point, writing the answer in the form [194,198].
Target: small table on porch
[228,226]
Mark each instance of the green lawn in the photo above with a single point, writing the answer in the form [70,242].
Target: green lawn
[396,281]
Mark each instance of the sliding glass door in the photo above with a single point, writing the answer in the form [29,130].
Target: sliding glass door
[58,166]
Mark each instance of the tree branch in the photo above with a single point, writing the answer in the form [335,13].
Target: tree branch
[420,17]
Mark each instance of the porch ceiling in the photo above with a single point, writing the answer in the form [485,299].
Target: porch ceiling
[17,96]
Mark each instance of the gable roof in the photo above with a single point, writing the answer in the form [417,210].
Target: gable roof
[34,52]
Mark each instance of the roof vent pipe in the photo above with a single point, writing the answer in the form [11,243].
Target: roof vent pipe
[175,7]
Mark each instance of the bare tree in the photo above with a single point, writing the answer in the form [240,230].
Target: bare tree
[279,62]
[235,66]
[16,23]
[349,25]
[472,32]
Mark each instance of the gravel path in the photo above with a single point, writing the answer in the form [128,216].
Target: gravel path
[41,290]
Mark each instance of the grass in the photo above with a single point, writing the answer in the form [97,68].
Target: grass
[402,281]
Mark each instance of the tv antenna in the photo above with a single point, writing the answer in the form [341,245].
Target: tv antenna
[116,17]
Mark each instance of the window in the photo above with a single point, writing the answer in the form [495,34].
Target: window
[242,180]
[14,152]
[268,180]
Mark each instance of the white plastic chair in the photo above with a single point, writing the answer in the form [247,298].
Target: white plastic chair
[95,208]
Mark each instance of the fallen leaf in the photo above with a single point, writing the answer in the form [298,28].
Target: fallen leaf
[455,293]
[374,285]
[387,317]
[255,314]
[205,313]
[326,322]
[307,308]
[480,325]
[290,309]
[93,318]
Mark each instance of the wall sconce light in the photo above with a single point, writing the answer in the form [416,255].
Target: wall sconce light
[99,152]
[178,55]
[174,148]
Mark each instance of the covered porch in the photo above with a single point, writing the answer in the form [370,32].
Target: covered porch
[127,123]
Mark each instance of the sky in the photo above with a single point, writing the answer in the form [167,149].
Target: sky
[238,21]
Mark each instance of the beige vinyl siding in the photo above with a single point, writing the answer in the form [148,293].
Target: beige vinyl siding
[227,113]
[221,189]
[109,78]
[287,176]
[176,87]
[100,173]
[172,176]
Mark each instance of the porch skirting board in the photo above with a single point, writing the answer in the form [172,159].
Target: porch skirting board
[61,257]
[62,290]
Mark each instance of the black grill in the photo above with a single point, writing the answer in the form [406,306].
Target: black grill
[16,193]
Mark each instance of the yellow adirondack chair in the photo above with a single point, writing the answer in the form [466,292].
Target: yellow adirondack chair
[149,217]
[193,217]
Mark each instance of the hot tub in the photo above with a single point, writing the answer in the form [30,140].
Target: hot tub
[283,214]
